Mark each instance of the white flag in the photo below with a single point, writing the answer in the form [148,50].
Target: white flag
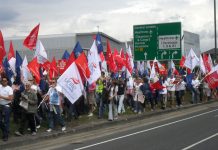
[142,67]
[40,52]
[153,72]
[12,63]
[93,64]
[71,83]
[172,64]
[191,60]
[25,71]
[202,67]
[129,52]
[148,65]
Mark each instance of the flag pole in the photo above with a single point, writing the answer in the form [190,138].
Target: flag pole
[215,38]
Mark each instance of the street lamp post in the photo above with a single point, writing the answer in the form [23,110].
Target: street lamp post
[215,30]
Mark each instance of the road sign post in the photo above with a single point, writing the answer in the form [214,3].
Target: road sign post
[162,41]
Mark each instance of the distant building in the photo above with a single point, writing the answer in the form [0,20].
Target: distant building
[191,40]
[56,44]
[213,54]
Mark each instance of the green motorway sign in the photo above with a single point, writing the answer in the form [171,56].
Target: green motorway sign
[162,41]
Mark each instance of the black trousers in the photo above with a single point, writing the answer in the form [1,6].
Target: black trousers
[178,98]
[27,120]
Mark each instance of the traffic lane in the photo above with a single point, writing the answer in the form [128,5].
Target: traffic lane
[174,136]
[210,144]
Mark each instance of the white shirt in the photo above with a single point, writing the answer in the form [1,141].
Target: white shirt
[164,90]
[171,86]
[195,83]
[5,91]
[112,90]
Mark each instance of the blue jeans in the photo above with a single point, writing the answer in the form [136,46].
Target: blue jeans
[99,101]
[5,112]
[138,106]
[55,115]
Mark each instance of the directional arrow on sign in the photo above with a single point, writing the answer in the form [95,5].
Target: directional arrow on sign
[163,53]
[174,53]
[145,54]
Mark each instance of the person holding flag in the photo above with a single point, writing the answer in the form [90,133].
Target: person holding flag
[171,89]
[54,96]
[195,92]
[163,92]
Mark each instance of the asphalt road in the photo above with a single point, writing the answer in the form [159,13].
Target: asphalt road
[193,128]
[194,131]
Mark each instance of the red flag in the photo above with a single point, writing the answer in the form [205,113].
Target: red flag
[1,68]
[70,60]
[31,39]
[119,61]
[82,64]
[128,64]
[189,71]
[34,68]
[53,72]
[122,55]
[101,54]
[163,70]
[2,48]
[182,61]
[11,51]
[61,65]
[207,64]
[212,80]
[157,86]
[46,65]
[110,59]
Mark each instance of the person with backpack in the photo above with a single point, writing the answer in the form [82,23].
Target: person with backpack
[112,104]
[146,89]
[139,97]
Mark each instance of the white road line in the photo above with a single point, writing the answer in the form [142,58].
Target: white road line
[167,124]
[212,136]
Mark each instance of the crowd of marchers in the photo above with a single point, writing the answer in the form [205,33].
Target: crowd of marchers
[27,104]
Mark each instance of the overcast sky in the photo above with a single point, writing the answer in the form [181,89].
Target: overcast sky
[114,17]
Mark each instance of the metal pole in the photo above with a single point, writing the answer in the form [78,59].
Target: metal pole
[215,30]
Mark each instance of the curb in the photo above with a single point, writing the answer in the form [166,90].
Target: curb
[28,139]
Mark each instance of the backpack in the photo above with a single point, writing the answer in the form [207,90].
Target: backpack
[145,88]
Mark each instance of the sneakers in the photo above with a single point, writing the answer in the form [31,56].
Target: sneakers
[90,115]
[37,127]
[5,138]
[18,133]
[33,133]
[63,128]
[49,130]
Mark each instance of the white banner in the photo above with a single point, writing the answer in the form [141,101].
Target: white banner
[93,63]
[71,83]
[40,53]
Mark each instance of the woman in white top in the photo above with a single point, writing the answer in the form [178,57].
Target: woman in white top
[163,92]
[139,97]
[112,104]
[206,91]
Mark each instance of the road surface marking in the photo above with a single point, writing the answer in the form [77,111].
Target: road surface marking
[210,137]
[167,124]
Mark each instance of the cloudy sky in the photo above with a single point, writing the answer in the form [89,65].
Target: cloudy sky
[114,17]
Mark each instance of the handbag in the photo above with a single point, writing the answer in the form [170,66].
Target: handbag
[24,104]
